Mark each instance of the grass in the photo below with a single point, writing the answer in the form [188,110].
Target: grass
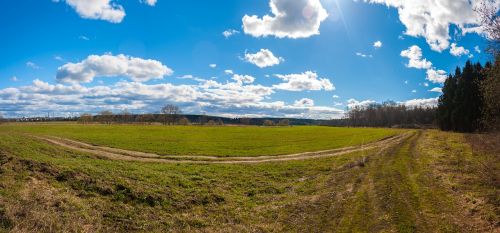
[426,183]
[211,141]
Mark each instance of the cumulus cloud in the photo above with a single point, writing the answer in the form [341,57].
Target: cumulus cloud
[237,98]
[246,79]
[228,71]
[304,102]
[431,19]
[230,32]
[307,81]
[290,18]
[377,44]
[213,65]
[436,76]
[416,60]
[106,10]
[137,69]
[436,89]
[149,2]
[426,103]
[264,58]
[458,51]
[353,103]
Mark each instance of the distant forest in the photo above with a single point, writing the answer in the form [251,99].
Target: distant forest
[470,102]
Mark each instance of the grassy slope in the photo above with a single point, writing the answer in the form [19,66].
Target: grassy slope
[429,183]
[214,141]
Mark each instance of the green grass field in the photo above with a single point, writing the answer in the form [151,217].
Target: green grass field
[430,182]
[211,141]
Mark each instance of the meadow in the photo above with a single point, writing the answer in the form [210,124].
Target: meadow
[429,181]
[210,141]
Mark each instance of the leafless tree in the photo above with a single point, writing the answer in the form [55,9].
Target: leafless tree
[170,113]
[490,23]
[284,122]
[184,121]
[126,116]
[105,117]
[145,118]
[268,123]
[85,118]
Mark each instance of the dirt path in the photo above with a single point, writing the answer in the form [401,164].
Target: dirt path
[127,155]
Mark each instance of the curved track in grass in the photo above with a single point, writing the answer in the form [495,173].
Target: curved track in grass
[128,155]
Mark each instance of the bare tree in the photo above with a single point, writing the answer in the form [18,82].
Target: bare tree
[284,122]
[170,113]
[126,116]
[105,117]
[268,123]
[85,118]
[184,121]
[145,118]
[490,22]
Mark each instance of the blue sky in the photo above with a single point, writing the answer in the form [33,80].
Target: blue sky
[75,56]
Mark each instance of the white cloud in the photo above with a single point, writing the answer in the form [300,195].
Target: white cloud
[335,96]
[353,103]
[432,102]
[431,19]
[229,72]
[137,69]
[13,79]
[426,84]
[436,89]
[84,38]
[106,10]
[416,60]
[149,2]
[378,44]
[32,65]
[58,58]
[246,79]
[290,18]
[263,58]
[307,81]
[414,54]
[458,51]
[230,32]
[414,91]
[477,49]
[359,54]
[213,65]
[305,102]
[436,76]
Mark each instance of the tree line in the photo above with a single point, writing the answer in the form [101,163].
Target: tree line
[172,115]
[390,114]
[461,105]
[471,96]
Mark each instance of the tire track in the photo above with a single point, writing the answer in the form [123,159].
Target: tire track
[128,155]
